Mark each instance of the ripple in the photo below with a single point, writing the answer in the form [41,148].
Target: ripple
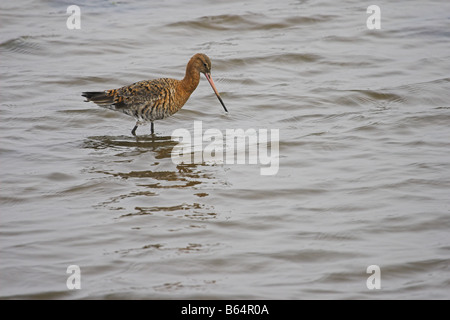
[249,22]
[25,45]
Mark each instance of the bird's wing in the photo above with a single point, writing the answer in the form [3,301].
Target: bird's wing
[143,99]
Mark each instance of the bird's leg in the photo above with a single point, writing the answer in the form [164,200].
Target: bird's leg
[153,128]
[133,132]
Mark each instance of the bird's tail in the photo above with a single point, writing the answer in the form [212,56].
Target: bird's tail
[101,98]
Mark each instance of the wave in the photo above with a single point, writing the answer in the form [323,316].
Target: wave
[251,21]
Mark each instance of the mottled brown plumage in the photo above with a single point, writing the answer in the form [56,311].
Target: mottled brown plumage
[151,100]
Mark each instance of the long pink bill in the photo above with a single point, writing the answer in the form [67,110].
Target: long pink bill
[213,86]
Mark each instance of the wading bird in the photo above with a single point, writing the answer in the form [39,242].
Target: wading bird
[151,100]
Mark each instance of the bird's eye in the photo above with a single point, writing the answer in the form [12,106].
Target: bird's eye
[205,65]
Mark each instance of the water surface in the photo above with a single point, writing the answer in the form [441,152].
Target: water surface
[364,173]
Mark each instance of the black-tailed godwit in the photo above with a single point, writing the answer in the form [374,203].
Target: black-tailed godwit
[151,100]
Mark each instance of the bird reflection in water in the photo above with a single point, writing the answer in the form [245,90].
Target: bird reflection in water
[145,164]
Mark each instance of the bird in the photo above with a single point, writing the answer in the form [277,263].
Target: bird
[151,100]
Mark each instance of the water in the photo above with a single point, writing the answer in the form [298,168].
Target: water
[364,167]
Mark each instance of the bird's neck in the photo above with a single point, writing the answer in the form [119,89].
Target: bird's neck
[191,78]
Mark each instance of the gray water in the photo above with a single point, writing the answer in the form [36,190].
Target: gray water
[364,152]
